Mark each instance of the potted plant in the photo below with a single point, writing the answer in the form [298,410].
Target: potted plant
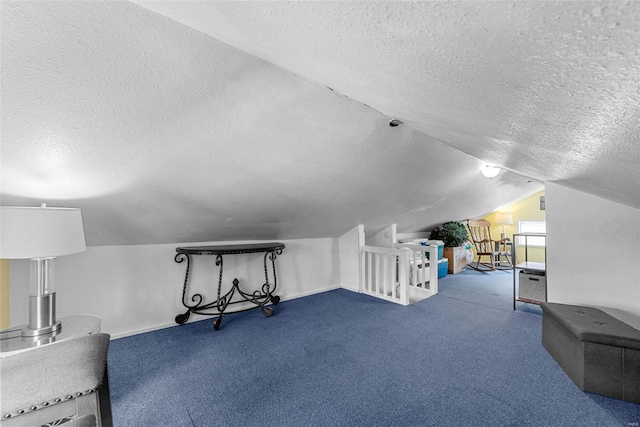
[453,234]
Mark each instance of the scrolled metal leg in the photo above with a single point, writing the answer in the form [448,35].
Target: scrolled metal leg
[219,263]
[271,256]
[216,322]
[181,318]
[196,298]
[275,299]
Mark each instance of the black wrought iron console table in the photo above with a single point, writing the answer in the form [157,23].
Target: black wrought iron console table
[260,297]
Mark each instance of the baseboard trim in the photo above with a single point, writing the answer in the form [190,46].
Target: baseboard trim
[197,318]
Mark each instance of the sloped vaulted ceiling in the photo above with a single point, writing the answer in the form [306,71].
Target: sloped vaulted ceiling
[198,121]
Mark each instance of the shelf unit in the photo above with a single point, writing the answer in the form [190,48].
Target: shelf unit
[533,266]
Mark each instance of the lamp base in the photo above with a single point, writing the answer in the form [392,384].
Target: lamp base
[42,316]
[52,329]
[503,236]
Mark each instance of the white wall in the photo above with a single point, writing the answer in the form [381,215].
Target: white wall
[350,244]
[385,237]
[138,288]
[593,252]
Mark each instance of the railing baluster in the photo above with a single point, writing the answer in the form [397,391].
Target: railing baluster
[377,278]
[418,268]
[385,277]
[394,276]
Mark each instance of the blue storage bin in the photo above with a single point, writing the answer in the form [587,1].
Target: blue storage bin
[440,244]
[443,267]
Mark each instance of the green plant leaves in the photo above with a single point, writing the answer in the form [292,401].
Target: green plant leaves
[452,233]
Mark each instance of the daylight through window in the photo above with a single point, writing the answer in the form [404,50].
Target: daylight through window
[537,227]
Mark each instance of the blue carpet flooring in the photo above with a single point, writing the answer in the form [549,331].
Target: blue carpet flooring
[461,358]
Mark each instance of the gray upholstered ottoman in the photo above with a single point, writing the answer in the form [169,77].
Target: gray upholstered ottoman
[599,353]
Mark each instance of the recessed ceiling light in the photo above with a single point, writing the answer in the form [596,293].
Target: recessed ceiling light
[395,122]
[489,171]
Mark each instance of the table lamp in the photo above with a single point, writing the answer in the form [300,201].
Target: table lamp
[503,218]
[40,235]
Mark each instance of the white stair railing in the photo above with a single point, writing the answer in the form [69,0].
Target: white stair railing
[383,273]
[423,269]
[402,274]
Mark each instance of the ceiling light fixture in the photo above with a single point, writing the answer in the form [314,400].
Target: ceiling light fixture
[489,171]
[395,122]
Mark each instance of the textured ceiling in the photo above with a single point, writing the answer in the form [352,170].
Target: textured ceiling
[268,120]
[549,89]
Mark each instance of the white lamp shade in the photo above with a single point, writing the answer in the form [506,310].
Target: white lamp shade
[29,232]
[504,218]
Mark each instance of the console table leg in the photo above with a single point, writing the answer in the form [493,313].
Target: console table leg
[181,318]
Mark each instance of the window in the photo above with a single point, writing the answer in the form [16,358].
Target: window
[532,227]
